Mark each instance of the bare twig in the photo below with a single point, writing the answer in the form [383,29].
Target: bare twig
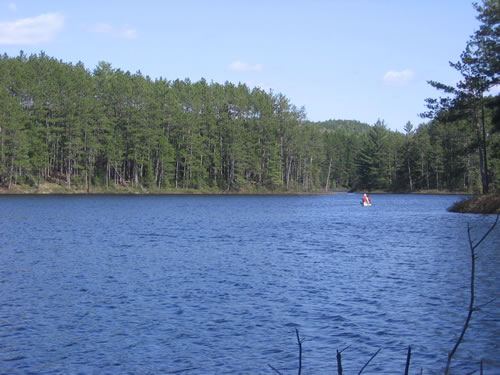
[339,359]
[275,370]
[299,342]
[366,364]
[347,347]
[479,307]
[408,357]
[339,363]
[485,235]
[473,247]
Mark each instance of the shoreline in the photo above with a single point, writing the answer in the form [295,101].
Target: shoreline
[474,204]
[56,189]
[142,191]
[478,204]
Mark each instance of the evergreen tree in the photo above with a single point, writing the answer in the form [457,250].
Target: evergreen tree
[61,123]
[478,66]
[374,159]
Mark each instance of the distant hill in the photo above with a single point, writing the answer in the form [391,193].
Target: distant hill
[347,125]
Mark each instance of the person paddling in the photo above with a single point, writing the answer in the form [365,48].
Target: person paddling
[366,199]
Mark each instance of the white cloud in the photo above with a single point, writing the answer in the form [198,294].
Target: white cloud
[398,78]
[121,33]
[40,29]
[240,66]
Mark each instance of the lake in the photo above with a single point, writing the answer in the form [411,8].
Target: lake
[218,284]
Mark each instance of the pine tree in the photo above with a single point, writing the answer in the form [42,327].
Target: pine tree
[373,159]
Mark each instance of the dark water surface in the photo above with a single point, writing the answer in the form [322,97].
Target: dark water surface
[218,284]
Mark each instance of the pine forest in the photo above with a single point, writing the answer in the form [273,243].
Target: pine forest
[108,129]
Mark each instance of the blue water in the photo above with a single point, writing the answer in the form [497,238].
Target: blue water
[218,284]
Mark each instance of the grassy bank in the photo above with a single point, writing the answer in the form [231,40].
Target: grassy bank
[54,188]
[481,204]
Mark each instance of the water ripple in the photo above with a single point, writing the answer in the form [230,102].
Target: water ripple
[196,285]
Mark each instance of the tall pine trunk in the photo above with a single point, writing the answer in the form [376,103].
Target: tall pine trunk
[409,176]
[68,172]
[11,172]
[328,176]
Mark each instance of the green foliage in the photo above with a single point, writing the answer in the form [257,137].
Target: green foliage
[468,100]
[109,129]
[374,159]
[62,123]
[346,125]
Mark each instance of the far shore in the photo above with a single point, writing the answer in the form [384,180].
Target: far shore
[482,204]
[58,189]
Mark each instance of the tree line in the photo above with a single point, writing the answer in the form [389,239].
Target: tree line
[60,122]
[109,127]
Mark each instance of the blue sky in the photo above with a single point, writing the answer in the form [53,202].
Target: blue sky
[359,59]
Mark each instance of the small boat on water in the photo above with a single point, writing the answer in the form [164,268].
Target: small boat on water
[366,201]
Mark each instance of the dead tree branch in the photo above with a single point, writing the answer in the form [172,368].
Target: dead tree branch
[339,360]
[367,363]
[473,248]
[339,363]
[408,358]
[299,342]
[275,370]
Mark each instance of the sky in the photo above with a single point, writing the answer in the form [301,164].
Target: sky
[364,60]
